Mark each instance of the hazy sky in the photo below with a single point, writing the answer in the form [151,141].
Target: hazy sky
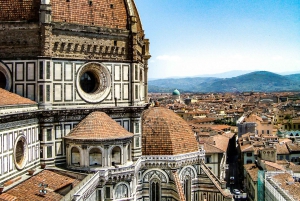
[195,37]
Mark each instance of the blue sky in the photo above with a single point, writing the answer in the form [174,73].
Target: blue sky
[196,37]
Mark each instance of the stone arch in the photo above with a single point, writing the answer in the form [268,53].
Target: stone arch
[188,170]
[95,156]
[75,153]
[121,190]
[116,155]
[5,77]
[149,174]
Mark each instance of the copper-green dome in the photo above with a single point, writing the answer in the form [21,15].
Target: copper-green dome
[176,93]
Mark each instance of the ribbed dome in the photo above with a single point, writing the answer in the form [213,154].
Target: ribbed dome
[165,133]
[176,92]
[110,14]
[98,126]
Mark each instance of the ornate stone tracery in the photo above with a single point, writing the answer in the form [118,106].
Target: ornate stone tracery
[150,174]
[188,171]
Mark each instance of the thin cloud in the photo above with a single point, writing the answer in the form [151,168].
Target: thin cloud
[277,58]
[168,58]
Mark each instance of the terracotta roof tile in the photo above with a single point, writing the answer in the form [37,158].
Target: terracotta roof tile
[252,170]
[98,126]
[165,133]
[221,142]
[210,149]
[111,13]
[29,189]
[7,197]
[8,98]
[293,147]
[286,182]
[270,166]
[282,149]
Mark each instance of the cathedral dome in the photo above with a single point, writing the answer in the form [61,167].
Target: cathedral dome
[165,133]
[176,93]
[98,126]
[110,14]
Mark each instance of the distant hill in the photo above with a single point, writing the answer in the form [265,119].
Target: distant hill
[295,77]
[254,81]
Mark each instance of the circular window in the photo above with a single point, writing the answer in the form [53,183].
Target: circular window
[5,77]
[93,82]
[88,82]
[20,152]
[2,80]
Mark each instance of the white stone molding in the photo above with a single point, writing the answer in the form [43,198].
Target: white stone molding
[87,189]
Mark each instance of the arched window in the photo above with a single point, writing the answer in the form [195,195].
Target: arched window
[121,191]
[187,187]
[75,156]
[116,156]
[95,157]
[155,190]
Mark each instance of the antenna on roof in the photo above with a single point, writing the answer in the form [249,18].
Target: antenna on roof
[42,190]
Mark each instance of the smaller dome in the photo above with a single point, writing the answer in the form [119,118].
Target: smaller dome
[98,126]
[176,93]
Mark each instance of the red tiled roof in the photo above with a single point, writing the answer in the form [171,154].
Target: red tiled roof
[252,170]
[8,98]
[29,189]
[7,197]
[98,126]
[221,142]
[210,149]
[282,149]
[165,133]
[270,166]
[286,182]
